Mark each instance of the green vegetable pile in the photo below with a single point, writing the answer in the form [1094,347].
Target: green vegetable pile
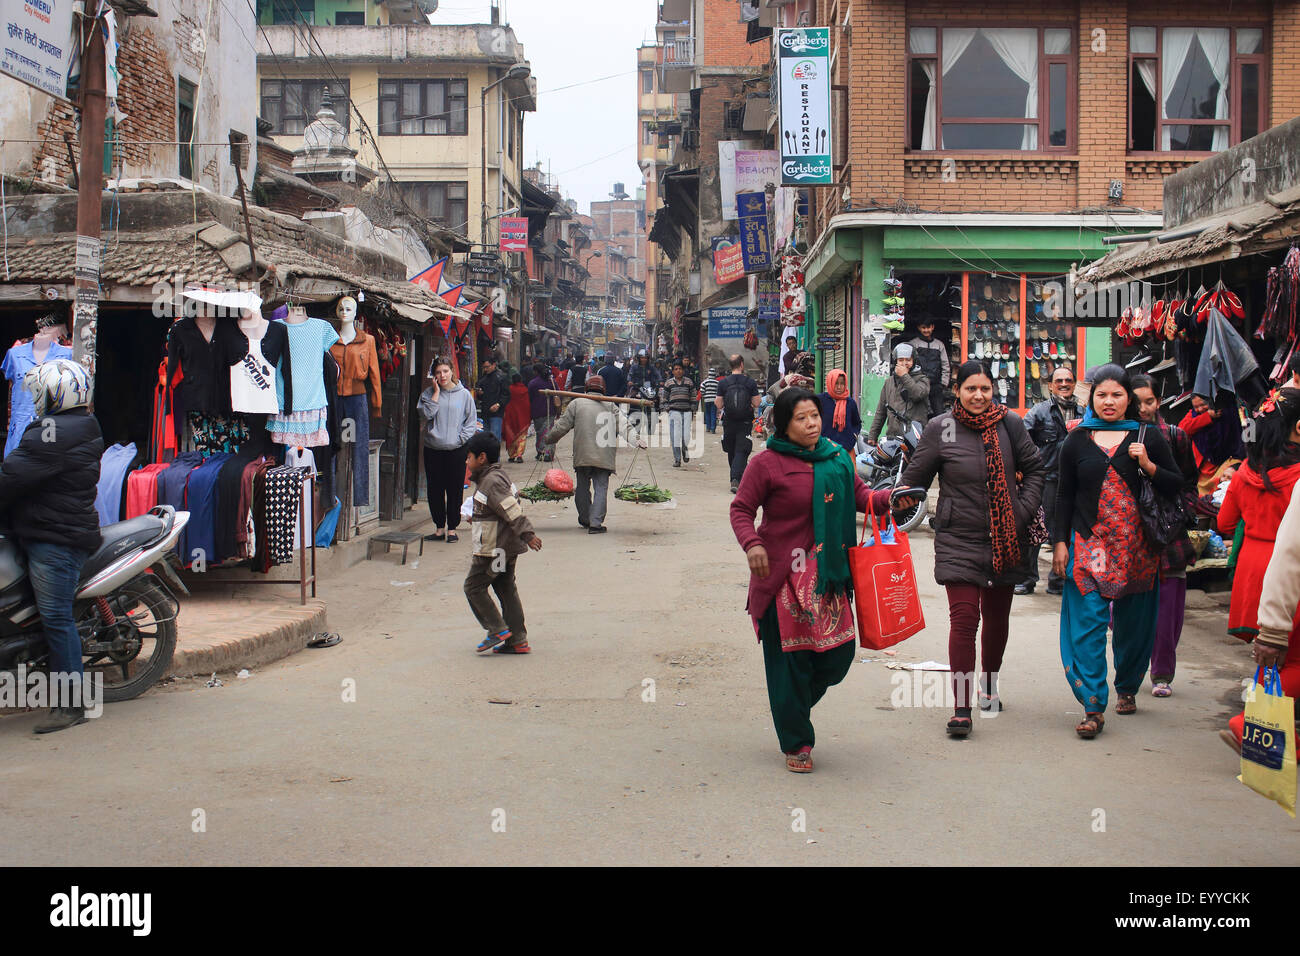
[643,494]
[539,492]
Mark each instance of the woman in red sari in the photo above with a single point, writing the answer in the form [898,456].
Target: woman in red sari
[514,427]
[799,581]
[1259,494]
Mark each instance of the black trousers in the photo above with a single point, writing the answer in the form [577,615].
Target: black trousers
[1049,509]
[444,476]
[737,443]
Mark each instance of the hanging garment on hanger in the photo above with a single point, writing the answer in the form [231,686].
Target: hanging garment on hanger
[206,384]
[163,445]
[18,361]
[212,434]
[253,376]
[304,462]
[200,535]
[142,490]
[283,497]
[303,413]
[244,524]
[229,480]
[113,466]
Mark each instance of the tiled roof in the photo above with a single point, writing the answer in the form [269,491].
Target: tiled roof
[177,255]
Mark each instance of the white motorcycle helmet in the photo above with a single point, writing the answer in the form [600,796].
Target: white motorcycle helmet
[57,386]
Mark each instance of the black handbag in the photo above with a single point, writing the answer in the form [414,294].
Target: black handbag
[1164,519]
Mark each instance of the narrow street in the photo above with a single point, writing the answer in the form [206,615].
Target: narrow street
[450,758]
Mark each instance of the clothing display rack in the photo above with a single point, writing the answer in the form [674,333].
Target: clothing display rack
[306,521]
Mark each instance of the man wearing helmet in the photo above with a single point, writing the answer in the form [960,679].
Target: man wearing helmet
[47,489]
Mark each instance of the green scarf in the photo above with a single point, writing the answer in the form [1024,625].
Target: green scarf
[835,510]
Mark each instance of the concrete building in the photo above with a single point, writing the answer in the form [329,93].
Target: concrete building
[440,108]
[711,63]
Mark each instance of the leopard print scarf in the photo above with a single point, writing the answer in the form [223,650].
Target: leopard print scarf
[1002,518]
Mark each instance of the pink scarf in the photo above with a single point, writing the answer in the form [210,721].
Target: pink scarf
[837,386]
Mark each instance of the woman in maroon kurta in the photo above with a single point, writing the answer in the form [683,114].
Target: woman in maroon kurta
[806,629]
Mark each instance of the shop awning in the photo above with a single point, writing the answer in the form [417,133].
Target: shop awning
[664,234]
[1259,227]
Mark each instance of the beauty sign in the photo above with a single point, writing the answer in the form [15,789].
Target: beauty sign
[38,46]
[804,85]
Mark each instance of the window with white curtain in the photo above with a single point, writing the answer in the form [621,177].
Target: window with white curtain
[1194,88]
[990,88]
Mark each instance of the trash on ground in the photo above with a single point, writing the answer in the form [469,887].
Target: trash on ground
[243,674]
[339,779]
[917,666]
[499,700]
[401,584]
[215,681]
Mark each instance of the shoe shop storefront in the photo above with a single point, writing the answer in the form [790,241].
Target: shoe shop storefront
[988,283]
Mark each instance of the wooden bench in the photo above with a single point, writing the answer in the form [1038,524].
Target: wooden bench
[390,538]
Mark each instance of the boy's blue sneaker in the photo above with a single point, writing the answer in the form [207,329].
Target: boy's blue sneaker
[493,640]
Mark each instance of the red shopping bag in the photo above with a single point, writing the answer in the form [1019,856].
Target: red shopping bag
[885,592]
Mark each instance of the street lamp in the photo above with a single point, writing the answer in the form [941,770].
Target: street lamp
[517,71]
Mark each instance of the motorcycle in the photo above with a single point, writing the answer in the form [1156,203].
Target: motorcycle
[882,466]
[125,608]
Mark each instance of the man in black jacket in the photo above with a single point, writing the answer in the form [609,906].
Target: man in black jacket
[47,486]
[1046,423]
[494,387]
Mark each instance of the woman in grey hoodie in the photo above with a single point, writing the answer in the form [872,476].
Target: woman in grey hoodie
[448,420]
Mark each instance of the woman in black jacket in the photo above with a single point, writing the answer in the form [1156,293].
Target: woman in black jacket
[1101,549]
[990,487]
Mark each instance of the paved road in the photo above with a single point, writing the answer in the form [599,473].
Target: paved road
[577,768]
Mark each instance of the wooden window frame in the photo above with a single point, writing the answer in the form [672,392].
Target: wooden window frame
[1070,59]
[450,114]
[342,109]
[447,219]
[1263,59]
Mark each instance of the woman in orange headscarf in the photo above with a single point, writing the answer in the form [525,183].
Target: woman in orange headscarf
[841,421]
[514,427]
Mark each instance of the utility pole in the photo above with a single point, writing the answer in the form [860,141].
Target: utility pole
[90,187]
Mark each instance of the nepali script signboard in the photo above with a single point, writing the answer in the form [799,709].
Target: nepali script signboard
[804,84]
[38,43]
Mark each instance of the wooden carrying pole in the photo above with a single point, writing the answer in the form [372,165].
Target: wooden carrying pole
[592,396]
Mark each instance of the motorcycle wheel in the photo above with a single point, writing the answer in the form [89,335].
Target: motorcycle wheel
[150,639]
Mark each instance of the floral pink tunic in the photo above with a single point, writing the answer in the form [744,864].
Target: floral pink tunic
[1117,560]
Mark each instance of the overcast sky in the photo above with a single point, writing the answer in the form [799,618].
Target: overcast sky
[587,134]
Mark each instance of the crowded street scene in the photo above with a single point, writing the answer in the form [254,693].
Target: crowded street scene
[792,433]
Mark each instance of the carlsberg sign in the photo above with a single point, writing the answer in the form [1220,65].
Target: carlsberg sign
[804,88]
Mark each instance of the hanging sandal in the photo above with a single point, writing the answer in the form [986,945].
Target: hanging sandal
[1126,704]
[1090,726]
[959,727]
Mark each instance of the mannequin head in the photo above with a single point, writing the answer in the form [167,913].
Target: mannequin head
[51,326]
[346,310]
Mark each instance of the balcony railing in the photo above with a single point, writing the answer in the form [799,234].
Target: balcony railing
[679,54]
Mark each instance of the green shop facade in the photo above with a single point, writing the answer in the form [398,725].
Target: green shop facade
[985,280]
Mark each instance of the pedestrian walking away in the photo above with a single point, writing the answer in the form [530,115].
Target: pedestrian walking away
[517,418]
[678,395]
[595,426]
[708,395]
[494,392]
[990,487]
[1048,424]
[1259,495]
[1100,547]
[448,420]
[737,398]
[500,533]
[799,583]
[614,377]
[841,420]
[539,407]
[1174,559]
[906,392]
[48,483]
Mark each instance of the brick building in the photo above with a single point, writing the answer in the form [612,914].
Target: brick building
[983,148]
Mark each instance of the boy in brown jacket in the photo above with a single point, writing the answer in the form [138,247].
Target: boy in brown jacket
[501,533]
